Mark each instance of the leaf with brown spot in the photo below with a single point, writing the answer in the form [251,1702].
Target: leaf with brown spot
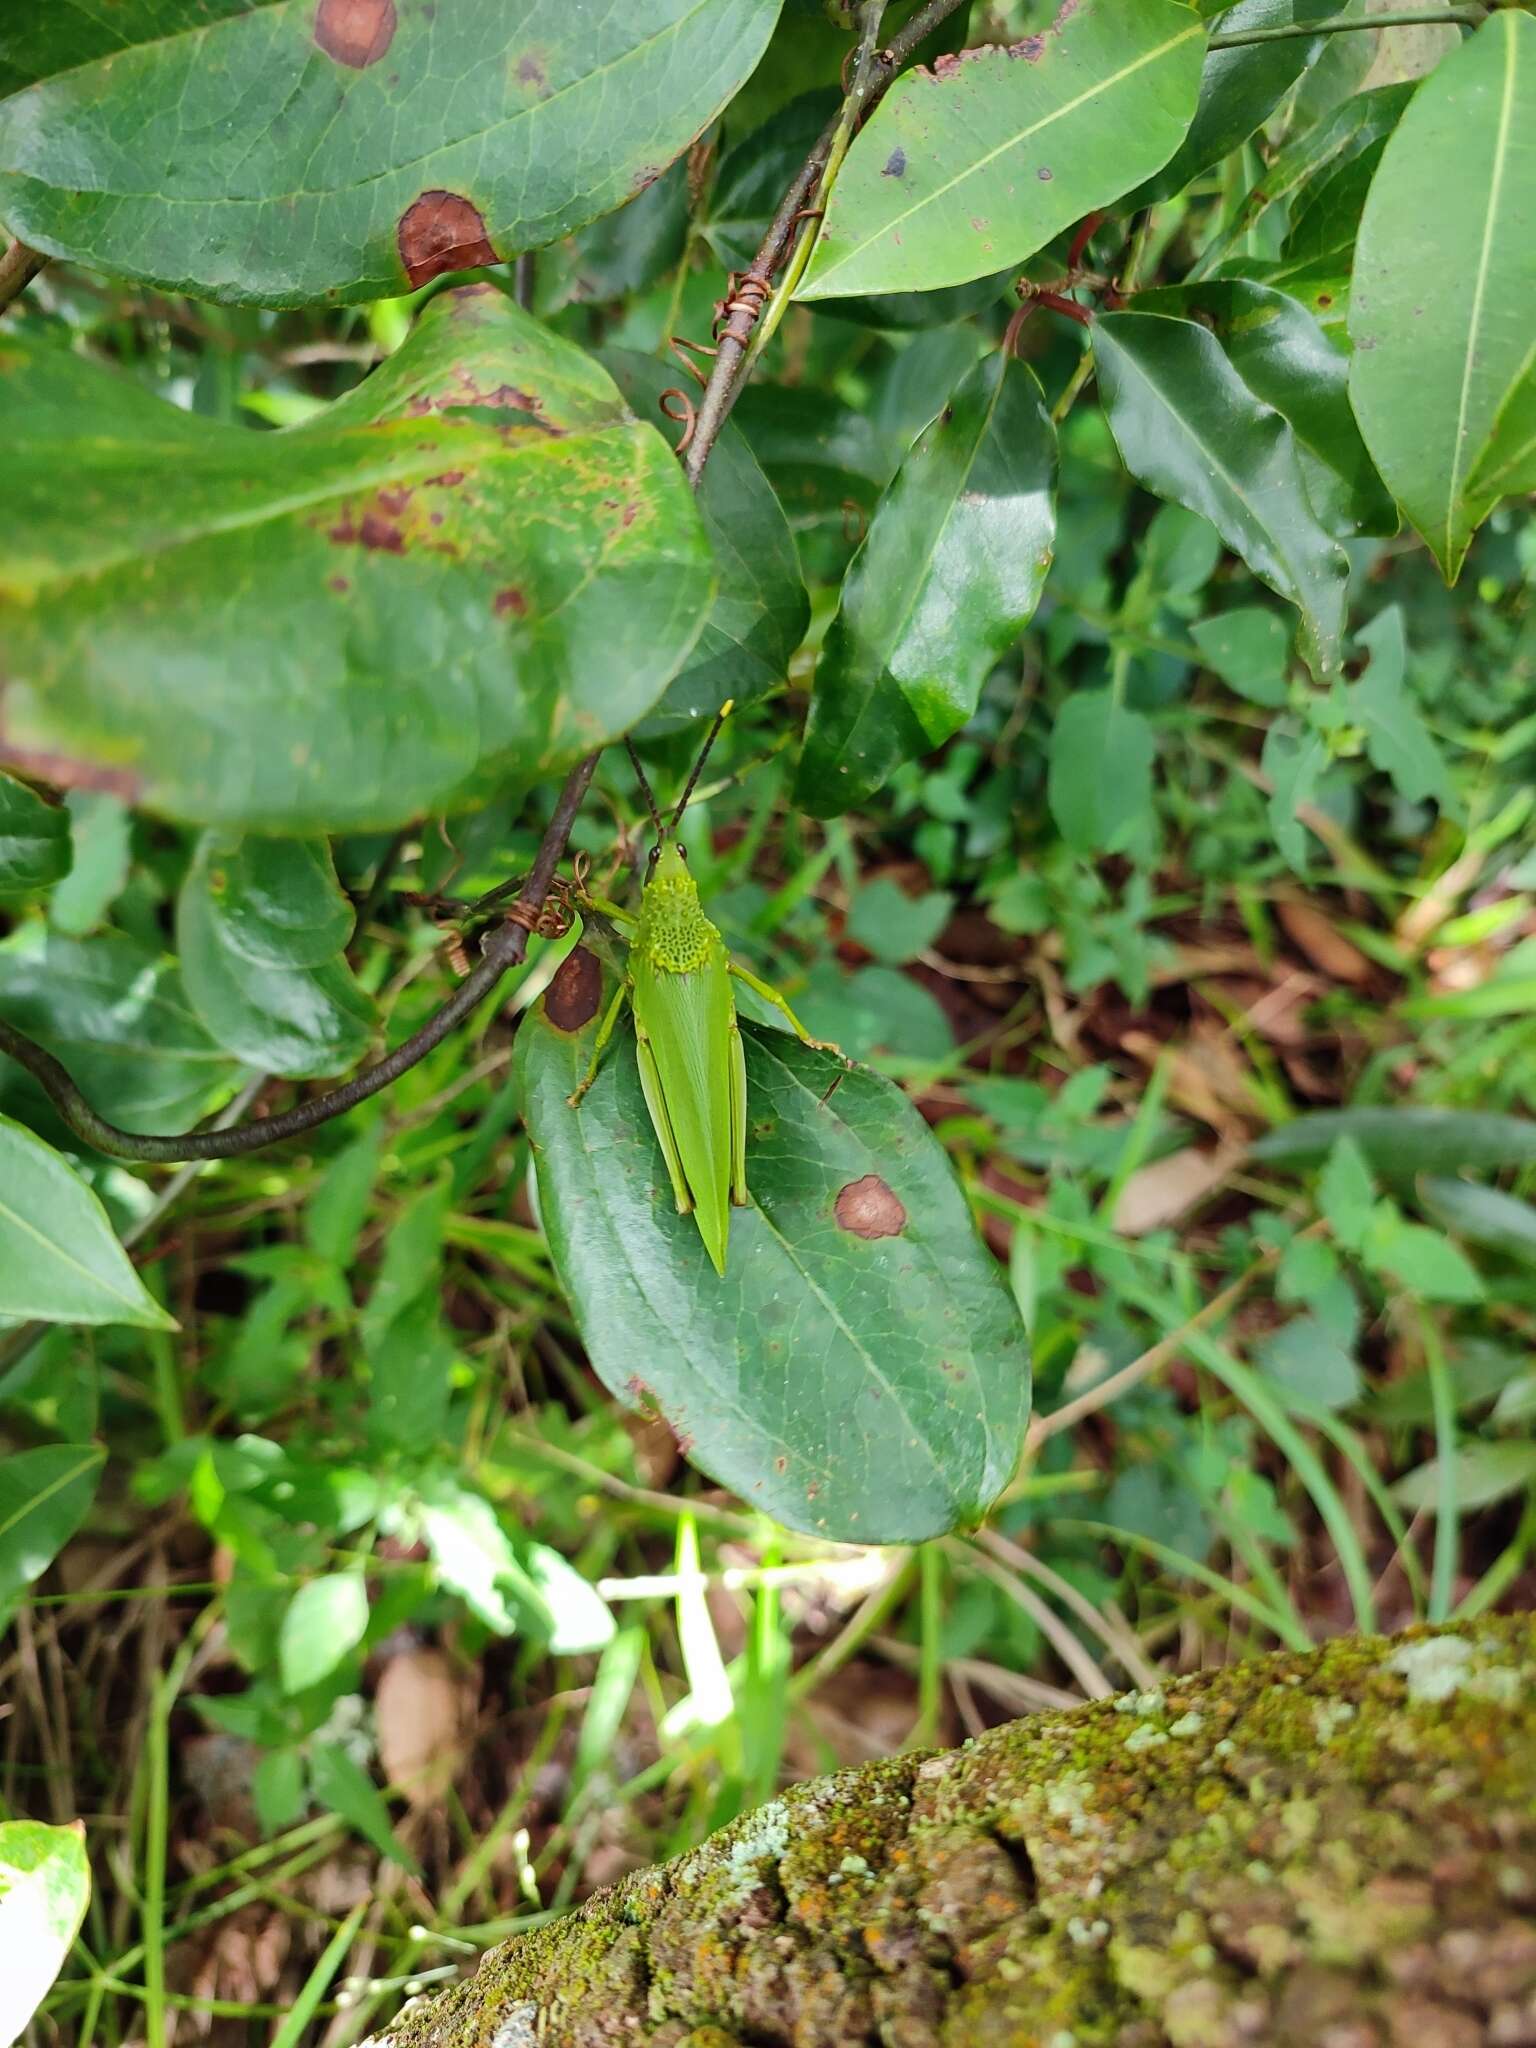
[265,152]
[860,1371]
[382,612]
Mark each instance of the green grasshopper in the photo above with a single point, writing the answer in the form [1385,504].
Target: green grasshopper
[693,1072]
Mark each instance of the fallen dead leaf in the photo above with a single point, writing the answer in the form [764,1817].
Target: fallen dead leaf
[1314,933]
[1162,1192]
[418,1713]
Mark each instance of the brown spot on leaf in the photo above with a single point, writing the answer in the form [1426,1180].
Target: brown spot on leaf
[869,1208]
[448,478]
[895,164]
[394,500]
[439,232]
[355,32]
[1030,48]
[531,72]
[1045,174]
[576,992]
[510,600]
[340,585]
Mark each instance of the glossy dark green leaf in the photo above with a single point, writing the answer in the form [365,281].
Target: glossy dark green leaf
[827,463]
[1239,89]
[861,1371]
[1406,1141]
[117,1015]
[1100,782]
[1356,126]
[1433,369]
[262,964]
[980,161]
[1190,429]
[946,579]
[1285,357]
[760,611]
[59,1259]
[45,1887]
[284,151]
[477,563]
[34,840]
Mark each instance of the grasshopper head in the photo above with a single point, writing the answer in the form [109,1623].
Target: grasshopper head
[668,865]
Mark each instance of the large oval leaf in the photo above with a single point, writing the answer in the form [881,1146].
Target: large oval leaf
[979,162]
[1191,430]
[257,968]
[45,1886]
[118,1017]
[861,1371]
[283,151]
[1454,203]
[947,577]
[59,1261]
[477,561]
[760,611]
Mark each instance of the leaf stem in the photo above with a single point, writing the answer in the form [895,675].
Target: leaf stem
[18,266]
[1410,17]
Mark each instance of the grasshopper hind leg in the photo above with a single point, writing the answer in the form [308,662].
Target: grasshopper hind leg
[738,1080]
[655,1102]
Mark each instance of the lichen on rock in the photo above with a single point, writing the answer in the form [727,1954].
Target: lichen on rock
[1335,1850]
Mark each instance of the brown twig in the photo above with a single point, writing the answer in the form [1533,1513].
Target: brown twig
[18,266]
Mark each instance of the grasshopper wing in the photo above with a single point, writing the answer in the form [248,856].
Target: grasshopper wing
[684,1026]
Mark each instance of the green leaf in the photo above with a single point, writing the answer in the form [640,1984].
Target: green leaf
[760,611]
[277,1790]
[896,927]
[1484,1474]
[1396,737]
[59,1260]
[1294,763]
[1426,1263]
[1189,429]
[1282,353]
[45,1495]
[1452,204]
[947,577]
[1305,1360]
[283,151]
[471,1551]
[1356,127]
[1508,466]
[1239,89]
[1404,1142]
[34,840]
[45,1887]
[581,1621]
[861,1371]
[323,1624]
[101,831]
[118,1017]
[1346,1193]
[980,161]
[1100,783]
[1486,1216]
[253,963]
[476,563]
[343,1786]
[1249,649]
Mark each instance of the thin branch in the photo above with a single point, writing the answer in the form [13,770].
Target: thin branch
[1346,24]
[503,951]
[18,266]
[731,357]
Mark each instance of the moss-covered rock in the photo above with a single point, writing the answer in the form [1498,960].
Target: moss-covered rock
[1327,1851]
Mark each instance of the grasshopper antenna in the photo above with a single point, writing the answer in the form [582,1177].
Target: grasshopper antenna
[650,799]
[714,733]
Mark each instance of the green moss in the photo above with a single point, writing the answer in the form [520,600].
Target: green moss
[1287,1838]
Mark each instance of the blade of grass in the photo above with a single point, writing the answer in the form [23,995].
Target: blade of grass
[1442,1575]
[318,1982]
[1281,1625]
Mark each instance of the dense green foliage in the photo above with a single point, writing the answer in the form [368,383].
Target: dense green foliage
[1116,557]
